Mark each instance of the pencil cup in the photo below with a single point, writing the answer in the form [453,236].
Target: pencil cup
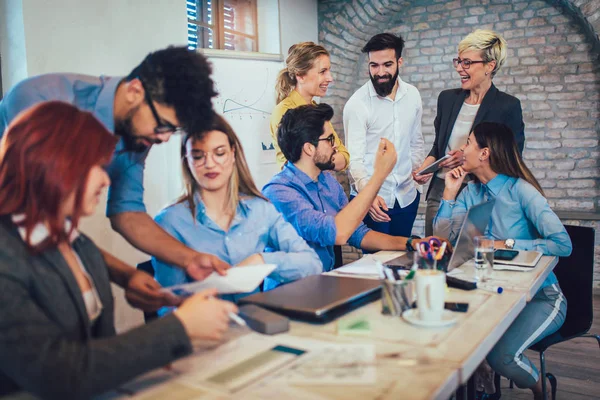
[396,297]
[425,262]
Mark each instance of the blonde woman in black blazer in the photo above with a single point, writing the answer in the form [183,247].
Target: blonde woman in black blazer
[480,56]
[57,333]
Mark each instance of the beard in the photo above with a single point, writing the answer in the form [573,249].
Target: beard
[124,129]
[385,88]
[324,163]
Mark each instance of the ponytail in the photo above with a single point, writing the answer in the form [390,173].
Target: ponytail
[284,85]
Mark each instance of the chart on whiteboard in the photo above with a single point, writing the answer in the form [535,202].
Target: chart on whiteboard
[246,99]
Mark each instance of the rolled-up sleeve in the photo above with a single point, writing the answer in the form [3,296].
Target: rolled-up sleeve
[294,258]
[312,225]
[126,192]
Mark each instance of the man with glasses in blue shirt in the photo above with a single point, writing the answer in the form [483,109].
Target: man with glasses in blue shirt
[313,201]
[168,92]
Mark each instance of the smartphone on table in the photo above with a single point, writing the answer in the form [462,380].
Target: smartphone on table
[505,254]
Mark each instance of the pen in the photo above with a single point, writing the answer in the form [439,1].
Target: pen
[237,319]
[493,289]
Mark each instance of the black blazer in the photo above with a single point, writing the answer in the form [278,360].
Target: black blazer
[496,106]
[48,346]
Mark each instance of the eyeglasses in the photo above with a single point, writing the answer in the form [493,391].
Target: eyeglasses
[330,138]
[161,127]
[466,63]
[220,156]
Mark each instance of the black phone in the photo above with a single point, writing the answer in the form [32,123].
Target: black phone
[505,254]
[459,307]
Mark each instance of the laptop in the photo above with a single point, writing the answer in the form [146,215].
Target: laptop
[474,224]
[318,298]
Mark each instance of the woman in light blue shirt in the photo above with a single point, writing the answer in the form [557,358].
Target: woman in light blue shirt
[521,219]
[223,213]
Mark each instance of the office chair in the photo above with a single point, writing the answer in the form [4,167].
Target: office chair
[146,266]
[575,276]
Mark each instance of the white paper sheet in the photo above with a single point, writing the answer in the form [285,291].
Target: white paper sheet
[238,280]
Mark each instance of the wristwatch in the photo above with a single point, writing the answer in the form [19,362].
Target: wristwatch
[409,246]
[509,243]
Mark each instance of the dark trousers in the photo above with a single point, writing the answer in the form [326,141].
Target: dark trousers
[402,219]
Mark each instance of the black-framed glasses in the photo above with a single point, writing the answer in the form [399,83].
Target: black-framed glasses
[330,138]
[161,127]
[466,63]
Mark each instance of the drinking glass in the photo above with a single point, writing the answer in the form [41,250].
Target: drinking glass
[484,257]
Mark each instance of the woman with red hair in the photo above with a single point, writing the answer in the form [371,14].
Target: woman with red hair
[57,334]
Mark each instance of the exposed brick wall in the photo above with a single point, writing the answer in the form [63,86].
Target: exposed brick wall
[552,67]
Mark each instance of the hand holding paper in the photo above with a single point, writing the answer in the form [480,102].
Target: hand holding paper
[238,280]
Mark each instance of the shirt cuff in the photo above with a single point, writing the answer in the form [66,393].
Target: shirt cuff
[446,207]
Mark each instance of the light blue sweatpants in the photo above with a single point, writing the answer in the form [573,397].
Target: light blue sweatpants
[542,316]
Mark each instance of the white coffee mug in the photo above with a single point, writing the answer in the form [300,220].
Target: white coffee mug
[431,292]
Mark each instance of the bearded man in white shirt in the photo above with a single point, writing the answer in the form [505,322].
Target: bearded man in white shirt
[386,107]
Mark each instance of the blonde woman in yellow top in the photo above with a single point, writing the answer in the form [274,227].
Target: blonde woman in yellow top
[307,74]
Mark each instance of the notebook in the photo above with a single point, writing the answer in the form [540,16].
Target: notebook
[526,260]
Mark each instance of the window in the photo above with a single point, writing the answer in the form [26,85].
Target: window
[223,24]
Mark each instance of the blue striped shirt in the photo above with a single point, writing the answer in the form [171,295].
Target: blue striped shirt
[520,213]
[311,206]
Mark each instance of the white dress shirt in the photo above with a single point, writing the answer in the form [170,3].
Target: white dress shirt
[369,117]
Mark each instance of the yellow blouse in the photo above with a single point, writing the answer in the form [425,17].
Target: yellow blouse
[292,101]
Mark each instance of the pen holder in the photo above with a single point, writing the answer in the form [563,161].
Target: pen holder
[396,297]
[429,263]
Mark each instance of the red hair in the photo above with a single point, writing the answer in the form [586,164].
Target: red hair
[46,155]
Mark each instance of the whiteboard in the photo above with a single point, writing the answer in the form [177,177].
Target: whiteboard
[246,99]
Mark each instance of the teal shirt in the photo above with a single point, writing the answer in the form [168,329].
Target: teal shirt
[520,213]
[96,95]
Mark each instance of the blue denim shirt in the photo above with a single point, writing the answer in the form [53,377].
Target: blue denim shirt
[311,206]
[96,95]
[520,213]
[257,227]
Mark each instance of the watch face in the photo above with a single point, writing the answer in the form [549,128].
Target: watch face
[509,243]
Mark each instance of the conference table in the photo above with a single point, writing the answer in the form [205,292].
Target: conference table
[410,362]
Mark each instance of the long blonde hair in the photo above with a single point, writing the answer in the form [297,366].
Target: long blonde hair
[301,58]
[240,183]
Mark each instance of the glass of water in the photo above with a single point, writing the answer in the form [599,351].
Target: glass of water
[484,257]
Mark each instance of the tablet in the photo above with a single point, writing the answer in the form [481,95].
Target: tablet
[433,167]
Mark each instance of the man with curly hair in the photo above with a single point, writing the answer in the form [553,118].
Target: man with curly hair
[168,92]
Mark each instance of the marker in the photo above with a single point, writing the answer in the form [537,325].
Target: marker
[237,319]
[493,289]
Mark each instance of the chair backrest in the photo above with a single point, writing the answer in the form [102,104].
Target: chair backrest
[147,266]
[576,277]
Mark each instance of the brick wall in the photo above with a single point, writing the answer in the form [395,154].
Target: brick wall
[552,67]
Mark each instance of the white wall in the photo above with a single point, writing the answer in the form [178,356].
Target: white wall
[299,22]
[111,37]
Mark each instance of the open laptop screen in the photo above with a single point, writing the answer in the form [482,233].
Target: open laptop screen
[474,224]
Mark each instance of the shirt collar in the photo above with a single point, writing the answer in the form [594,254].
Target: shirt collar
[241,212]
[301,175]
[297,100]
[105,103]
[495,185]
[402,90]
[40,232]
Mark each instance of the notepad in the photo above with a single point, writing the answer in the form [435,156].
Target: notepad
[238,280]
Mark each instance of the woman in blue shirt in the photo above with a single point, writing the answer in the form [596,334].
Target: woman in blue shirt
[521,219]
[223,213]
